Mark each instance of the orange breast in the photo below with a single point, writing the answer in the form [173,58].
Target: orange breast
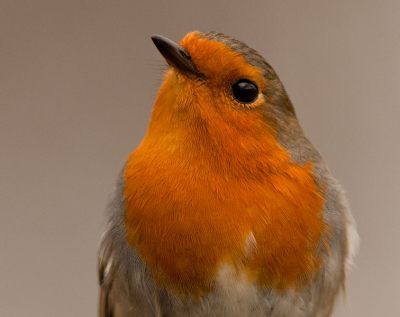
[188,212]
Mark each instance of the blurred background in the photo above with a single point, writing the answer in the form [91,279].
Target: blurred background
[77,82]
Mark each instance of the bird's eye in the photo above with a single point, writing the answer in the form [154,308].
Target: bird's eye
[245,91]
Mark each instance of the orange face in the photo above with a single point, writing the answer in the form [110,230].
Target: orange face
[210,174]
[221,67]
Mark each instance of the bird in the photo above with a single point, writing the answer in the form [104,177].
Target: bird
[225,208]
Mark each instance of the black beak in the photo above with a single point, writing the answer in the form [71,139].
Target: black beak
[175,55]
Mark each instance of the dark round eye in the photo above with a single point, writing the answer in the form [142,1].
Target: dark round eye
[245,91]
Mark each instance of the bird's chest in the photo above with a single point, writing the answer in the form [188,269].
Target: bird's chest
[187,227]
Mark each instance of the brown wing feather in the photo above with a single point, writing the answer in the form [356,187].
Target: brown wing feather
[104,303]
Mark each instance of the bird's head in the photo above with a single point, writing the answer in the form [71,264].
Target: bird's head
[220,85]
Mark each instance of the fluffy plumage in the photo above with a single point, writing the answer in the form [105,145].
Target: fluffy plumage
[225,209]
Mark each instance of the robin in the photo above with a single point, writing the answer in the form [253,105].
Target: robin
[225,208]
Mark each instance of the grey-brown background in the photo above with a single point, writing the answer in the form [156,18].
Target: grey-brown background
[77,82]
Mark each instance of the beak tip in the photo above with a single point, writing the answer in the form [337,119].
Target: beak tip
[158,39]
[175,54]
[155,37]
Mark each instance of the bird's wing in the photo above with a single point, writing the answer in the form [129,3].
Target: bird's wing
[106,276]
[105,309]
[109,256]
